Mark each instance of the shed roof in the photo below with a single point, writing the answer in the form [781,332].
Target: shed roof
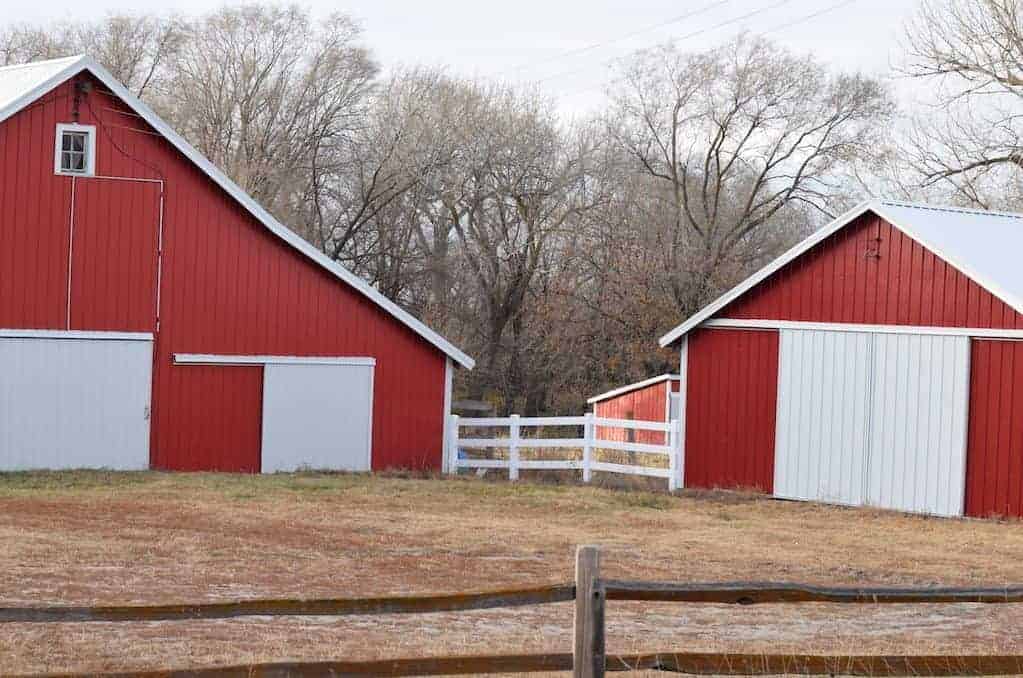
[23,84]
[984,246]
[622,390]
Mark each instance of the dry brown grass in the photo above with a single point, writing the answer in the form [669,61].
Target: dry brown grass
[91,538]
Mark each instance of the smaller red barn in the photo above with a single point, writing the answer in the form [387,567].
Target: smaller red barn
[653,399]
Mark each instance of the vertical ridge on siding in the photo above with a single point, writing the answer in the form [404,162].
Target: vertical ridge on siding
[994,461]
[731,397]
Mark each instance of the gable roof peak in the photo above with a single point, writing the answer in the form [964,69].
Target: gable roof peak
[22,85]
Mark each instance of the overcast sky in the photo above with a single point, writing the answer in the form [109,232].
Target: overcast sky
[526,40]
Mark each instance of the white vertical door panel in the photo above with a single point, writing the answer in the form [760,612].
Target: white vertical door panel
[74,403]
[918,431]
[823,410]
[317,417]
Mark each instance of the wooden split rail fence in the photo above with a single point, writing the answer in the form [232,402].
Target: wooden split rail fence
[588,659]
[587,446]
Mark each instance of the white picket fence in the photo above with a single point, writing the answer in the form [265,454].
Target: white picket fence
[515,442]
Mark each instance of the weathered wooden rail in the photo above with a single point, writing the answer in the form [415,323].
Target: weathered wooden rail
[588,658]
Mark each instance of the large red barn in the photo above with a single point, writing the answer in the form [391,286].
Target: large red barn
[153,315]
[874,363]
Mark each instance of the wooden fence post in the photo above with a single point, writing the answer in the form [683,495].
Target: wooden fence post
[673,456]
[452,444]
[513,448]
[589,434]
[588,652]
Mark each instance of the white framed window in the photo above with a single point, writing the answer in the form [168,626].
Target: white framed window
[75,150]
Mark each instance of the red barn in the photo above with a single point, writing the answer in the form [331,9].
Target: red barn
[653,399]
[153,315]
[875,363]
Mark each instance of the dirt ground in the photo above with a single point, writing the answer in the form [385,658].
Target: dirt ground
[104,538]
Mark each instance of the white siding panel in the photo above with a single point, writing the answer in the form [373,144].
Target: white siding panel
[823,409]
[918,436]
[74,403]
[317,417]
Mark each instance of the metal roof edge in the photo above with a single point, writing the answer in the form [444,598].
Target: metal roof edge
[792,253]
[632,387]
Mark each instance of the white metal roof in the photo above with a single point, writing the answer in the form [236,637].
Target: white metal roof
[21,85]
[632,387]
[984,246]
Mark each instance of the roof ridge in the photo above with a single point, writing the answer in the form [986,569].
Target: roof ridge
[42,62]
[952,208]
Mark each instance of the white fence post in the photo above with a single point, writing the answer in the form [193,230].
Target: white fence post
[589,435]
[452,444]
[674,482]
[513,448]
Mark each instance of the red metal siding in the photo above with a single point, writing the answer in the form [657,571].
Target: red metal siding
[646,404]
[994,451]
[841,280]
[731,403]
[229,286]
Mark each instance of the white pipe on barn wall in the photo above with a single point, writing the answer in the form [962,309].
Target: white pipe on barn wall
[683,371]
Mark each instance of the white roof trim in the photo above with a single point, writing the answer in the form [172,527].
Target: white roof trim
[217,359]
[633,387]
[74,65]
[878,207]
[75,334]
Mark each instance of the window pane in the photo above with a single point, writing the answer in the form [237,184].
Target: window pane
[78,142]
[78,162]
[65,142]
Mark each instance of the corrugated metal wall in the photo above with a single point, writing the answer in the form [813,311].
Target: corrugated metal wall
[994,458]
[876,419]
[731,397]
[841,280]
[74,403]
[823,416]
[647,404]
[229,287]
[918,423]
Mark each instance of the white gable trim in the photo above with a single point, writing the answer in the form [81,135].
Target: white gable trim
[632,387]
[76,65]
[878,207]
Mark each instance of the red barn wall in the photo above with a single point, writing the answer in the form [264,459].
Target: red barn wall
[647,404]
[841,281]
[731,406]
[229,286]
[994,450]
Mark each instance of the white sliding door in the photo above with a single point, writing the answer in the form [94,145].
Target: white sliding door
[74,402]
[823,406]
[317,416]
[872,418]
[918,432]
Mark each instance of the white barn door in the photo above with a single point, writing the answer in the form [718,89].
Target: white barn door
[72,402]
[876,419]
[317,416]
[918,431]
[823,415]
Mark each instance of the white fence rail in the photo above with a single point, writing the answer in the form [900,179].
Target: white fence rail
[514,442]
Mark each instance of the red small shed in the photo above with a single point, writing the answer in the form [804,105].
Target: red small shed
[152,314]
[653,399]
[874,363]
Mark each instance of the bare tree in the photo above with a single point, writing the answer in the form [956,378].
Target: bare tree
[738,135]
[135,48]
[972,53]
[271,99]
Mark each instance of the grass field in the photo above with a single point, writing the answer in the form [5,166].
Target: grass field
[105,538]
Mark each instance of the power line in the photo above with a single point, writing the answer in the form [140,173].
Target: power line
[693,34]
[611,41]
[789,24]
